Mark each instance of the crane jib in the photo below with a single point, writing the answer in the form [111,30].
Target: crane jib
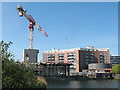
[30,18]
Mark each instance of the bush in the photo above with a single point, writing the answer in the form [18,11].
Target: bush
[16,75]
[116,69]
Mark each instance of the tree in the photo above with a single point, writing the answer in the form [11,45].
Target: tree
[17,75]
[116,69]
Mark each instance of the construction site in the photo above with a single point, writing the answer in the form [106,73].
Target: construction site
[31,54]
[57,62]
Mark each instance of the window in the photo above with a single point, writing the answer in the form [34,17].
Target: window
[91,49]
[91,53]
[101,62]
[81,54]
[75,66]
[86,53]
[52,55]
[74,56]
[86,49]
[101,59]
[91,57]
[106,59]
[60,54]
[81,59]
[106,53]
[101,56]
[91,60]
[74,53]
[86,56]
[71,53]
[106,56]
[118,57]
[101,53]
[74,63]
[86,63]
[86,59]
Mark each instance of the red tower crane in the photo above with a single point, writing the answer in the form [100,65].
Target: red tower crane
[32,23]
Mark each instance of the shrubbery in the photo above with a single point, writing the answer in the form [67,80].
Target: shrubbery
[116,69]
[15,74]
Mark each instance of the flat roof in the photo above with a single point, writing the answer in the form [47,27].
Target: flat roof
[74,49]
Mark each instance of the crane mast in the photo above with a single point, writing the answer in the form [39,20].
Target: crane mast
[30,36]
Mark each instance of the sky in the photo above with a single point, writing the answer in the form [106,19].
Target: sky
[83,23]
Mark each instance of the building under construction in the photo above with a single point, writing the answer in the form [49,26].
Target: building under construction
[53,69]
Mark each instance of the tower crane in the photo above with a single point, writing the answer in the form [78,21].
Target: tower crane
[68,43]
[32,23]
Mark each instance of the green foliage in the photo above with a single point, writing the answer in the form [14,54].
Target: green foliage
[116,69]
[108,77]
[16,75]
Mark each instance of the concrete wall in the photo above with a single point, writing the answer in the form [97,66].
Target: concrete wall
[31,55]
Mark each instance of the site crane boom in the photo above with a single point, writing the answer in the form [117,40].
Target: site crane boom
[32,23]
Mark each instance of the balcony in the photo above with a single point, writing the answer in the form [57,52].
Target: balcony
[70,60]
[91,54]
[61,55]
[69,54]
[51,56]
[72,57]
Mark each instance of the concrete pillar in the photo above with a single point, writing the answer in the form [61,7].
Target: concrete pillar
[62,70]
[47,70]
[65,70]
[50,70]
[43,71]
[68,70]
[56,71]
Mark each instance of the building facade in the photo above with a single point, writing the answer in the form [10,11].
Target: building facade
[79,57]
[95,70]
[115,59]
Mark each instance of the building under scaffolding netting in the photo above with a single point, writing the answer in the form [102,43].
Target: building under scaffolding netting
[53,69]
